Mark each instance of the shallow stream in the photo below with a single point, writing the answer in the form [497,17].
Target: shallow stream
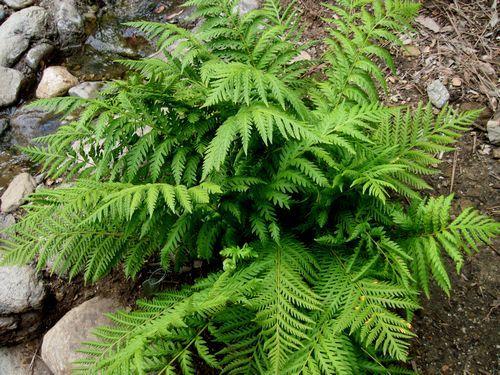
[95,60]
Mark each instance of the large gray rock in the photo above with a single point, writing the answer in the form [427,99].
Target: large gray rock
[20,290]
[61,342]
[438,94]
[19,30]
[18,4]
[21,186]
[56,81]
[69,21]
[16,360]
[11,82]
[21,298]
[27,123]
[86,90]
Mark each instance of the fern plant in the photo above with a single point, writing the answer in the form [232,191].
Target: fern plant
[296,184]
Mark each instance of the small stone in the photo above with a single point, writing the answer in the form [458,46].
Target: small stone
[485,150]
[411,51]
[38,53]
[496,153]
[56,81]
[303,56]
[10,85]
[61,342]
[438,94]
[17,360]
[86,90]
[456,81]
[429,23]
[22,185]
[493,128]
[487,68]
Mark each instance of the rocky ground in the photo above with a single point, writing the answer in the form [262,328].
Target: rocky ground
[66,47]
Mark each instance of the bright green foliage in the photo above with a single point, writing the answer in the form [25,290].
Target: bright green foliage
[296,184]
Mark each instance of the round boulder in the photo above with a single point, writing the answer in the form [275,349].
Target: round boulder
[20,30]
[56,81]
[61,342]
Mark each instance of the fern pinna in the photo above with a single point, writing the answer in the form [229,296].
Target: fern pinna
[288,176]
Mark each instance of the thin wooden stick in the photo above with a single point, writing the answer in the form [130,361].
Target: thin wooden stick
[453,170]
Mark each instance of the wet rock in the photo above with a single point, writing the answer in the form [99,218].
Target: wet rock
[16,360]
[127,10]
[37,54]
[18,4]
[69,21]
[493,128]
[112,39]
[438,93]
[27,124]
[21,186]
[60,344]
[11,82]
[19,30]
[56,81]
[86,90]
[4,125]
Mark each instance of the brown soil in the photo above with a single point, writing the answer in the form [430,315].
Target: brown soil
[456,335]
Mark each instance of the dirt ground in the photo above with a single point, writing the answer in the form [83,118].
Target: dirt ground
[460,334]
